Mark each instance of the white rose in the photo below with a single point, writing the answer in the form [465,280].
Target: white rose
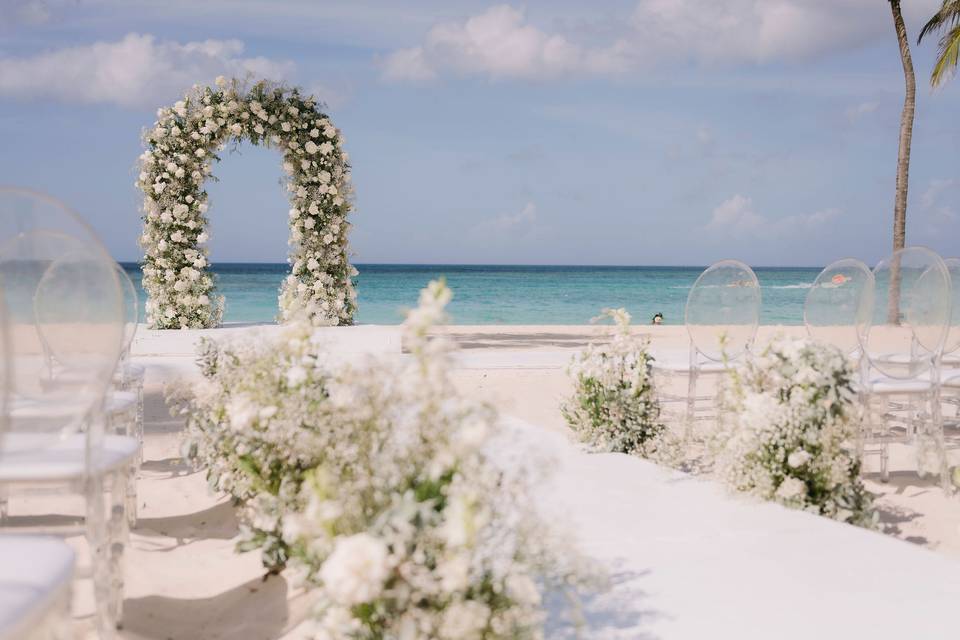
[312,264]
[203,237]
[310,147]
[327,239]
[285,126]
[464,620]
[236,129]
[356,570]
[314,133]
[309,223]
[296,376]
[324,176]
[798,458]
[791,489]
[326,148]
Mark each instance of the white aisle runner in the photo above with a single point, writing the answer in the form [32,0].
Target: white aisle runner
[690,561]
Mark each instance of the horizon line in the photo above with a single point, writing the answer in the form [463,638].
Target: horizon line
[504,264]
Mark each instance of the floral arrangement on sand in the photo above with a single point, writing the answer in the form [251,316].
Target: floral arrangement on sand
[792,417]
[376,481]
[181,149]
[613,406]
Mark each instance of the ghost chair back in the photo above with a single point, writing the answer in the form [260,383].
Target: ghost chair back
[903,349]
[838,306]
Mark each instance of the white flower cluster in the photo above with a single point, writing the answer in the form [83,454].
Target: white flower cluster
[376,480]
[792,418]
[613,406]
[181,148]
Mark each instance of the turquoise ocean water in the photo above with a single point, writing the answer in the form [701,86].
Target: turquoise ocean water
[500,294]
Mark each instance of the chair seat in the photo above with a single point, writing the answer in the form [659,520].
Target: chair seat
[677,363]
[35,457]
[120,402]
[951,379]
[35,574]
[131,372]
[887,385]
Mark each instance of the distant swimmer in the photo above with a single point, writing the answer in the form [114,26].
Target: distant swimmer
[657,318]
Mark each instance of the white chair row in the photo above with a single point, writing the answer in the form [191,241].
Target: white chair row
[900,321]
[72,419]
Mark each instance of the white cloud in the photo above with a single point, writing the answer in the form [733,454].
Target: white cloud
[500,43]
[497,43]
[522,223]
[736,215]
[934,189]
[137,70]
[935,214]
[28,12]
[858,111]
[525,217]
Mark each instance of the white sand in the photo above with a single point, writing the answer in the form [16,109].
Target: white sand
[184,579]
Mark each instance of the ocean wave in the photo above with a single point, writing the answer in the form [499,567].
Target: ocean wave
[802,285]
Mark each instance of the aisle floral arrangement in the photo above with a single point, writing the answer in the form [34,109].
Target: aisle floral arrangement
[613,406]
[375,480]
[181,148]
[791,419]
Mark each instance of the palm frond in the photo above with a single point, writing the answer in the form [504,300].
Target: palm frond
[947,57]
[948,14]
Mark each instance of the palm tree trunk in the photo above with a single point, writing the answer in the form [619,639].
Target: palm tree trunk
[903,161]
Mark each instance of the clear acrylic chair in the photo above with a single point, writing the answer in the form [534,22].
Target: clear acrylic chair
[900,373]
[721,317]
[124,405]
[838,307]
[64,302]
[950,377]
[36,572]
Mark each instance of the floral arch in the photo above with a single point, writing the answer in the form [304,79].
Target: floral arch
[181,148]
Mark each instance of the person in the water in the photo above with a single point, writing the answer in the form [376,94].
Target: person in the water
[657,318]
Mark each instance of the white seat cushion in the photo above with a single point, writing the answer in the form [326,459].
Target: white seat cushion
[951,378]
[35,573]
[884,384]
[677,363]
[36,457]
[131,372]
[119,402]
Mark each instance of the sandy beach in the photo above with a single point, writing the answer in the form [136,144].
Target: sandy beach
[183,578]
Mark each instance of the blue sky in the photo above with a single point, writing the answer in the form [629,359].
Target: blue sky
[624,132]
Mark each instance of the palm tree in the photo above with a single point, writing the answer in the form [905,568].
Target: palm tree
[947,22]
[903,159]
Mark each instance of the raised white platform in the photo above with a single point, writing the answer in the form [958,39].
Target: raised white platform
[690,561]
[353,339]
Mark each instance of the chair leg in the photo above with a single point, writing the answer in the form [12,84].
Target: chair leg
[885,462]
[99,541]
[130,492]
[4,503]
[936,424]
[119,538]
[691,404]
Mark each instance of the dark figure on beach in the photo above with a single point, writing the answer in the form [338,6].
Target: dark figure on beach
[657,318]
